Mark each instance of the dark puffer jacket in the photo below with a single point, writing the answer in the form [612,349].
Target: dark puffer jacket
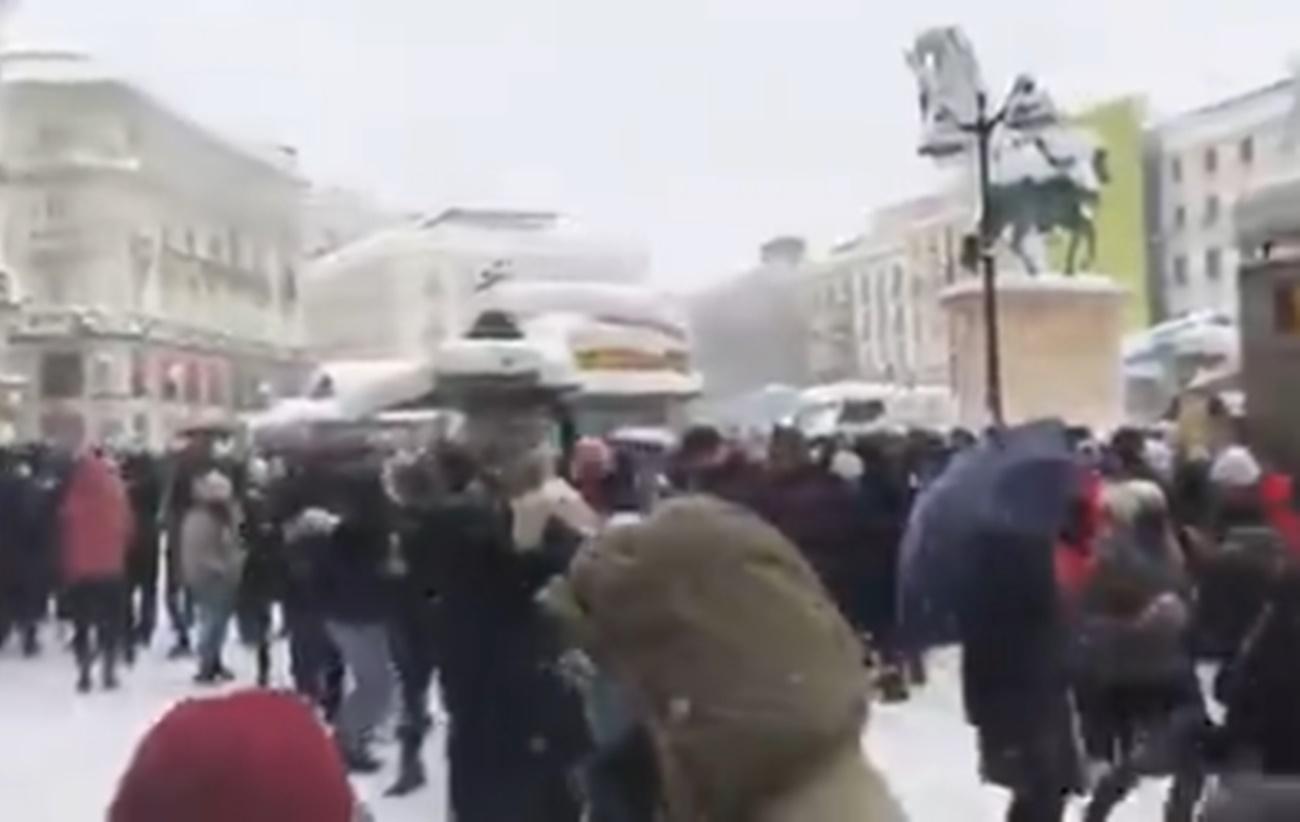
[821,515]
[1261,687]
[344,576]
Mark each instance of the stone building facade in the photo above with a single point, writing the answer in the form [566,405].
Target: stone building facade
[158,261]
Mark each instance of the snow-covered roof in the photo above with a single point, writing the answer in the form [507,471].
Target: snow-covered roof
[662,438]
[1203,332]
[67,67]
[531,247]
[1270,212]
[1093,285]
[360,388]
[848,389]
[628,305]
[53,66]
[295,411]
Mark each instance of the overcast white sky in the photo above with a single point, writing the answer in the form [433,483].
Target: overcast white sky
[702,126]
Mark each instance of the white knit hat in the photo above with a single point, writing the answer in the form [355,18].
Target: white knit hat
[1235,467]
[213,487]
[847,466]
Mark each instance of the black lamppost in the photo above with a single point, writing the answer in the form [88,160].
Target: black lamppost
[951,92]
[983,129]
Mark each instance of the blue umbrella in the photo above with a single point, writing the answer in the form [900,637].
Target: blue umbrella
[1013,489]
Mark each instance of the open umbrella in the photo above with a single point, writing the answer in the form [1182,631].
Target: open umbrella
[1012,489]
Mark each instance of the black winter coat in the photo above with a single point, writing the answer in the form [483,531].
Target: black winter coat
[517,728]
[822,515]
[1261,690]
[1015,680]
[28,539]
[343,576]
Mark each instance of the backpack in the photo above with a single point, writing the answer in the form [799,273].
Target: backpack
[746,674]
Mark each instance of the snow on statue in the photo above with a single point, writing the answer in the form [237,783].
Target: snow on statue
[1046,175]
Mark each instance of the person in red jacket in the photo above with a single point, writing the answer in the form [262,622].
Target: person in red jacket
[1275,496]
[1075,551]
[95,527]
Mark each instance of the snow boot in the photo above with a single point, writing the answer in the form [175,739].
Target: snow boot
[181,649]
[357,758]
[207,675]
[916,670]
[893,686]
[31,642]
[263,665]
[83,681]
[410,778]
[410,775]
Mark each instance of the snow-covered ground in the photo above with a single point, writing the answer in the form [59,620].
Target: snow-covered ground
[62,753]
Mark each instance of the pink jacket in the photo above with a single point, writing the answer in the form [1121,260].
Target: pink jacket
[95,522]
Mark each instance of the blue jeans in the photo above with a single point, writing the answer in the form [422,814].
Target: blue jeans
[364,648]
[216,606]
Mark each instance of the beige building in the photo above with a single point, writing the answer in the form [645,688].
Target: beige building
[13,386]
[873,303]
[159,262]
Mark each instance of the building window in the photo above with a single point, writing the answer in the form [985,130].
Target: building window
[236,249]
[56,207]
[1211,160]
[1211,209]
[193,384]
[218,394]
[1180,218]
[139,375]
[63,375]
[1246,150]
[288,288]
[172,375]
[1286,309]
[140,425]
[1213,264]
[52,136]
[56,287]
[1176,169]
[1180,270]
[101,376]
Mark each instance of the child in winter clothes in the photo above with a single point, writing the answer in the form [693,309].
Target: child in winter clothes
[212,561]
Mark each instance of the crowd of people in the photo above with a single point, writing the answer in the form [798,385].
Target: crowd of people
[602,627]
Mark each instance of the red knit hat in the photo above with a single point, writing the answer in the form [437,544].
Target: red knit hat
[254,756]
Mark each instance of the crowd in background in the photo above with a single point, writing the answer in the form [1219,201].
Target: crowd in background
[385,571]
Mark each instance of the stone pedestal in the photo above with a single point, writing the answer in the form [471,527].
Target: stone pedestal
[1060,344]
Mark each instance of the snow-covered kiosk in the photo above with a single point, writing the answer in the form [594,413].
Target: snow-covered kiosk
[629,346]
